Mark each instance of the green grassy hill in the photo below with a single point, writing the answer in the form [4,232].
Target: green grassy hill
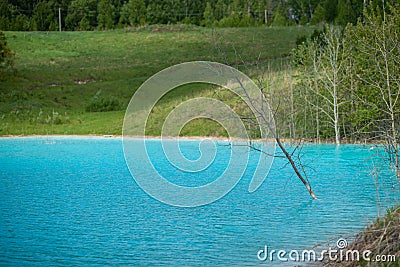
[81,82]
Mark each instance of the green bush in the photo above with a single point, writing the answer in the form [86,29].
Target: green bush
[53,118]
[6,54]
[236,20]
[103,105]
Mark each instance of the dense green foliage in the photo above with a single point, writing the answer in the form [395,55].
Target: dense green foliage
[357,69]
[43,15]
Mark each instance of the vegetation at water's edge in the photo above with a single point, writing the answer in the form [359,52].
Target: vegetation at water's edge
[381,238]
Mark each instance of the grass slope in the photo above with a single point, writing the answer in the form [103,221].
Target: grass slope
[381,238]
[61,77]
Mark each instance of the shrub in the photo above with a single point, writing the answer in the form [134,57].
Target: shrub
[6,54]
[103,105]
[53,118]
[236,20]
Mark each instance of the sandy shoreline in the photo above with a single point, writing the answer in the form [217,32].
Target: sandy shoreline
[131,137]
[283,140]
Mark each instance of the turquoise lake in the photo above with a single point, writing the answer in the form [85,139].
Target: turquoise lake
[71,201]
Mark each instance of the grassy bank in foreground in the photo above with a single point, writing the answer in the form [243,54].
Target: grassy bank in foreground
[81,82]
[381,238]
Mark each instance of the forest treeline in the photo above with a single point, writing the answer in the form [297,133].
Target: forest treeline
[44,15]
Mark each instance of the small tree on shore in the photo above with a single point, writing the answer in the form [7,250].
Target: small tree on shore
[323,59]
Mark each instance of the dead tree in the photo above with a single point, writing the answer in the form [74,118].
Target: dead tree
[264,116]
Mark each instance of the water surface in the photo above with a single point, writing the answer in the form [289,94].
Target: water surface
[72,201]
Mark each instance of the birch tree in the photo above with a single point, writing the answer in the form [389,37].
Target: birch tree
[323,59]
[378,60]
[330,68]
